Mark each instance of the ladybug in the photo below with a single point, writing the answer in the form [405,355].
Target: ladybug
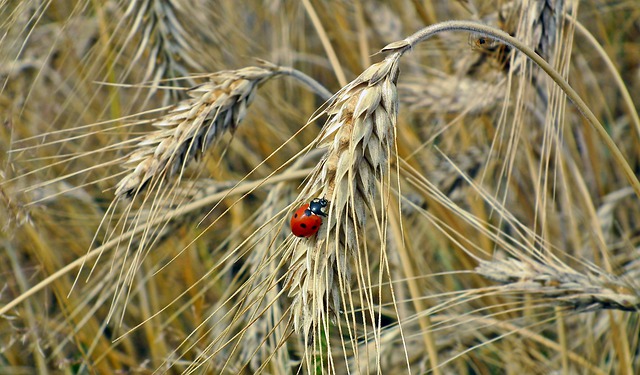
[306,221]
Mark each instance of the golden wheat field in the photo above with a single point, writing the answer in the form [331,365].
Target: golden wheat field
[480,163]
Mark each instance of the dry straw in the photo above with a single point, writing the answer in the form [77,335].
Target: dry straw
[358,138]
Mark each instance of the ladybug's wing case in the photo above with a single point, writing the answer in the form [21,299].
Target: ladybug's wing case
[304,223]
[307,227]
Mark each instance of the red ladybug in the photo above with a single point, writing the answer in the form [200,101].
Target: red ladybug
[306,221]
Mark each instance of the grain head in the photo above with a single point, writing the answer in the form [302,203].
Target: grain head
[359,137]
[191,127]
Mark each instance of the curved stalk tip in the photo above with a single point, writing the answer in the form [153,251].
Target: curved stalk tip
[410,42]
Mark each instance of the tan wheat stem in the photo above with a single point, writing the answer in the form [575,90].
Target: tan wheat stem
[326,42]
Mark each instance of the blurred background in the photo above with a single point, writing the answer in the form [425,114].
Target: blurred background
[520,237]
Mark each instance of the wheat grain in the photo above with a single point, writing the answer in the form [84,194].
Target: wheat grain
[545,19]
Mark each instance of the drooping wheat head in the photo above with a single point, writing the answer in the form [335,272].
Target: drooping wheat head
[191,127]
[562,285]
[359,137]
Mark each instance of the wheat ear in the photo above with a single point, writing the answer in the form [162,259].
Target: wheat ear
[163,39]
[544,17]
[191,127]
[359,136]
[563,285]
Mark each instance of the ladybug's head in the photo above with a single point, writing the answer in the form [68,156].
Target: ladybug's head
[319,206]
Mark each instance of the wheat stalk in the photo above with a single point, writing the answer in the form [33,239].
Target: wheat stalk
[410,42]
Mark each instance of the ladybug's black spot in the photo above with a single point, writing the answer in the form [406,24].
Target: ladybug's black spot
[314,227]
[296,216]
[303,225]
